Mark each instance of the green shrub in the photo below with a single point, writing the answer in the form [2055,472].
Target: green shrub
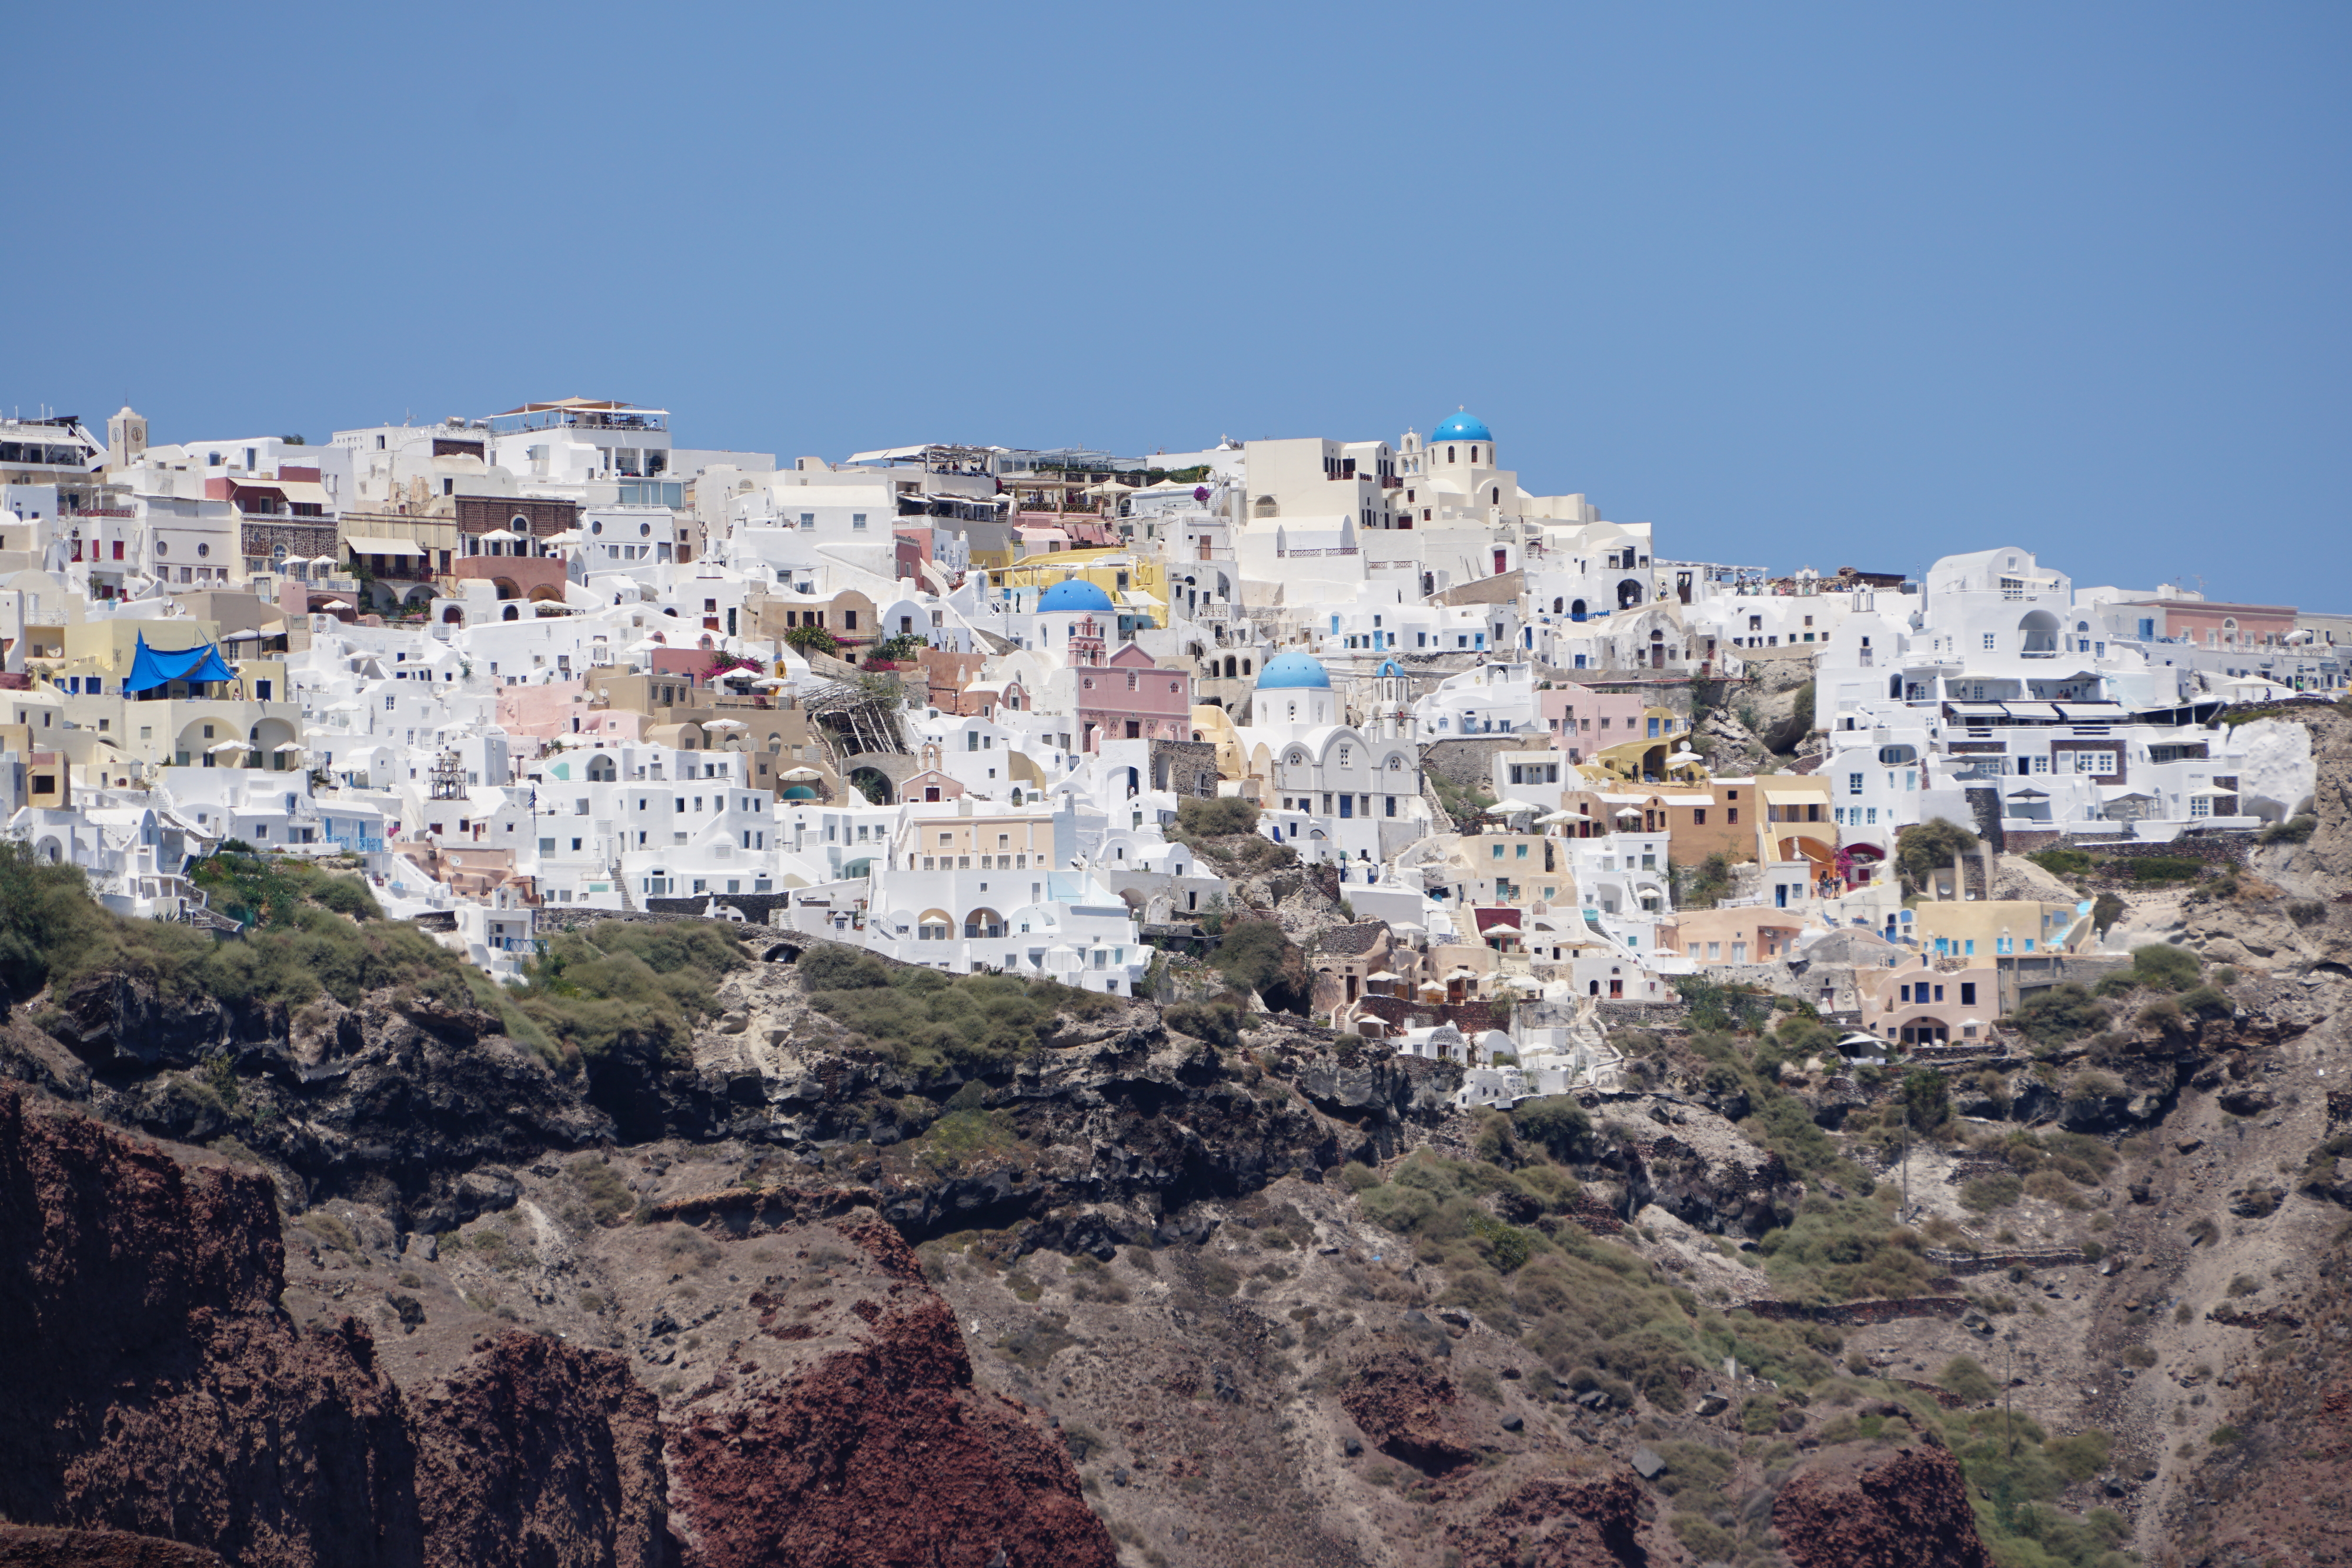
[1845,1249]
[294,948]
[2294,830]
[2205,1001]
[2161,966]
[619,984]
[1985,1194]
[832,968]
[1705,1541]
[2063,863]
[2306,910]
[2167,868]
[921,1017]
[1220,818]
[1258,956]
[610,1201]
[1965,1379]
[1219,1023]
[2060,1014]
[1556,1124]
[1928,1098]
[1926,848]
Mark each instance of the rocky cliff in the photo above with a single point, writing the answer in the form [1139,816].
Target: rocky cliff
[1898,1506]
[170,1396]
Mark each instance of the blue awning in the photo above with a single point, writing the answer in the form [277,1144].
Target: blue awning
[150,669]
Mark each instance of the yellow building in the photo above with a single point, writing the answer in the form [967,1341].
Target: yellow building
[1989,929]
[1798,821]
[1647,756]
[1128,577]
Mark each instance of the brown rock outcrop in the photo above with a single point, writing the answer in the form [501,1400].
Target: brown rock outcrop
[850,1436]
[158,1389]
[1853,1506]
[1554,1523]
[1407,1408]
[28,1546]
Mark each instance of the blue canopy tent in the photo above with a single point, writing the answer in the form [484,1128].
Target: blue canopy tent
[150,669]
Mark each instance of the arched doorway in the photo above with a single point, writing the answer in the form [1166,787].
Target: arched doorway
[873,784]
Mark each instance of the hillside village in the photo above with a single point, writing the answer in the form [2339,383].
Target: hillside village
[1502,771]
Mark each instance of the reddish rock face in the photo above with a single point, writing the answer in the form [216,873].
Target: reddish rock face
[170,1396]
[1587,1524]
[1856,1507]
[23,1546]
[541,1453]
[852,1437]
[1407,1408]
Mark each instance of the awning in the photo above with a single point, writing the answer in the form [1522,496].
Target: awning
[888,453]
[2040,713]
[1796,797]
[2094,712]
[305,492]
[1977,710]
[150,669]
[359,545]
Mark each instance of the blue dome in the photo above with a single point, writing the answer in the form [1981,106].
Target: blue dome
[1287,670]
[1462,427]
[1389,670]
[1073,593]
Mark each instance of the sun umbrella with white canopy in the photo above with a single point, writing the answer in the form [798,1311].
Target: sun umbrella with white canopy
[336,605]
[1506,808]
[285,747]
[1383,976]
[1684,758]
[725,723]
[772,682]
[1557,817]
[1628,813]
[225,746]
[498,535]
[801,776]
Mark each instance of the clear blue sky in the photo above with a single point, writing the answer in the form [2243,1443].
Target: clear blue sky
[1803,285]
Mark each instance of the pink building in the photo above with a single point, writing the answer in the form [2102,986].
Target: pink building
[1128,697]
[1586,720]
[2210,624]
[544,712]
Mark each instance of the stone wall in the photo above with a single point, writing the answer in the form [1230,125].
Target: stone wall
[1184,767]
[1471,760]
[1858,1314]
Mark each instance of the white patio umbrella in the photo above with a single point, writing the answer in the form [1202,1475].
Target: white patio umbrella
[498,535]
[225,746]
[800,775]
[1557,817]
[1383,974]
[1504,929]
[1684,758]
[725,723]
[772,682]
[1504,808]
[1629,812]
[336,605]
[285,747]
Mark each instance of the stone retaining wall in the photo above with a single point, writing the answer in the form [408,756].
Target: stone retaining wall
[1855,1315]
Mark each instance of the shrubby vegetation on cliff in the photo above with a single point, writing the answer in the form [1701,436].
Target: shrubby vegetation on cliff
[312,931]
